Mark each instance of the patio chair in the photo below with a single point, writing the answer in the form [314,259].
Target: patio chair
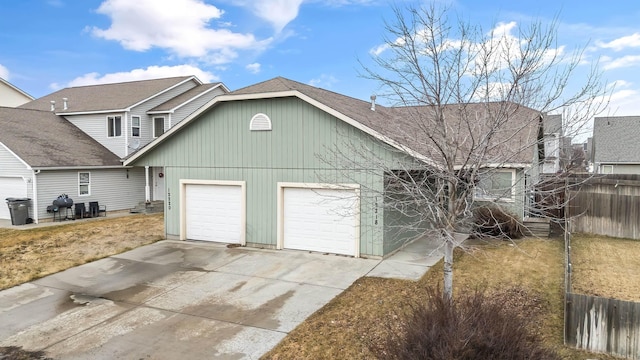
[80,211]
[95,209]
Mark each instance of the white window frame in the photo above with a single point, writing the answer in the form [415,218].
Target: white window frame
[488,197]
[609,167]
[154,126]
[110,119]
[139,127]
[81,183]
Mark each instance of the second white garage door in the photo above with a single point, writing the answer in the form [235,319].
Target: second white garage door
[323,220]
[10,187]
[214,212]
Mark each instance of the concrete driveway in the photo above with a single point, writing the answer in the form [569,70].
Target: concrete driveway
[173,300]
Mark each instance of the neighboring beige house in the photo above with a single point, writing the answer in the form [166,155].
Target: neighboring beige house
[11,96]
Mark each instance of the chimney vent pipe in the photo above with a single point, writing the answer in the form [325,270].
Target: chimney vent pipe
[373,103]
[64,103]
[53,105]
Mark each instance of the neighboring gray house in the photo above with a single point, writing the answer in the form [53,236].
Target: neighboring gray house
[615,148]
[11,96]
[258,167]
[40,159]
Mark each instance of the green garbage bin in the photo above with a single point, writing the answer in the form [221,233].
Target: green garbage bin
[19,209]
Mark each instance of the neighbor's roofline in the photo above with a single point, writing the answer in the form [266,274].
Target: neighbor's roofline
[273,95]
[127,109]
[16,88]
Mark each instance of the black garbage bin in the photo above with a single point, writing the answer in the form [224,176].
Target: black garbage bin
[19,209]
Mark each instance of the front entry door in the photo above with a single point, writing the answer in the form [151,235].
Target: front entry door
[158,183]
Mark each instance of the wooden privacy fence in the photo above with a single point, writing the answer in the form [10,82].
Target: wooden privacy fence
[605,205]
[603,325]
[599,324]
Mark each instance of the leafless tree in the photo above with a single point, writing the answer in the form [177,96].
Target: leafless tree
[470,105]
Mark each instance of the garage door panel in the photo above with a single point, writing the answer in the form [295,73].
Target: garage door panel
[10,187]
[214,213]
[323,220]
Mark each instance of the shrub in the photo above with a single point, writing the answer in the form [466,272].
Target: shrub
[492,221]
[474,326]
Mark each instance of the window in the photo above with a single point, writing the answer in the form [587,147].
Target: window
[607,169]
[260,122]
[496,185]
[114,126]
[135,126]
[84,183]
[158,126]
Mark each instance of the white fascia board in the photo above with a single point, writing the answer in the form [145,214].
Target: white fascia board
[16,88]
[173,110]
[16,156]
[45,168]
[167,89]
[94,112]
[282,94]
[500,165]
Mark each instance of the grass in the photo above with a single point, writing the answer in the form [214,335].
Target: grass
[351,323]
[26,255]
[606,267]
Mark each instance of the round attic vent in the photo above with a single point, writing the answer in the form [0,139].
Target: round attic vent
[260,122]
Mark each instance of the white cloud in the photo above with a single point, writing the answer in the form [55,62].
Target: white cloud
[253,68]
[324,81]
[4,72]
[625,61]
[179,26]
[278,13]
[152,72]
[618,44]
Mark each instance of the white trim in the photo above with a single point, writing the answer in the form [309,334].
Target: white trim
[34,198]
[139,126]
[153,125]
[114,128]
[80,168]
[280,207]
[16,156]
[183,204]
[603,166]
[172,110]
[281,94]
[88,184]
[16,88]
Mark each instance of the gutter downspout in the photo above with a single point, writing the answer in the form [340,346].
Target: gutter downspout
[147,189]
[36,216]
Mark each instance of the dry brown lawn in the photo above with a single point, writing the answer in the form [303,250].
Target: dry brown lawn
[30,254]
[352,322]
[607,267]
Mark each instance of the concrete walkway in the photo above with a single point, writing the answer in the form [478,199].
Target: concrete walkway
[176,299]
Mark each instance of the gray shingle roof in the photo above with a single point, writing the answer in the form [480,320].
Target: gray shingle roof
[615,139]
[104,97]
[514,142]
[187,95]
[43,139]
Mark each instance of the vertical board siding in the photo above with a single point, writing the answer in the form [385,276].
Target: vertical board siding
[305,145]
[603,325]
[110,187]
[606,205]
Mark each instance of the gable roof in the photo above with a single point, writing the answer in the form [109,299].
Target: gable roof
[393,125]
[106,97]
[44,140]
[187,96]
[615,139]
[15,88]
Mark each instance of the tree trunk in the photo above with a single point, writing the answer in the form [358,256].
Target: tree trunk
[448,266]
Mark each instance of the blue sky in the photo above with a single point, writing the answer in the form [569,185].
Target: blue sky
[50,44]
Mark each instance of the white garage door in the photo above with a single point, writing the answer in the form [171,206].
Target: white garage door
[10,187]
[323,220]
[214,213]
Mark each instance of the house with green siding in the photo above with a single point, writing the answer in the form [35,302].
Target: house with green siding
[285,165]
